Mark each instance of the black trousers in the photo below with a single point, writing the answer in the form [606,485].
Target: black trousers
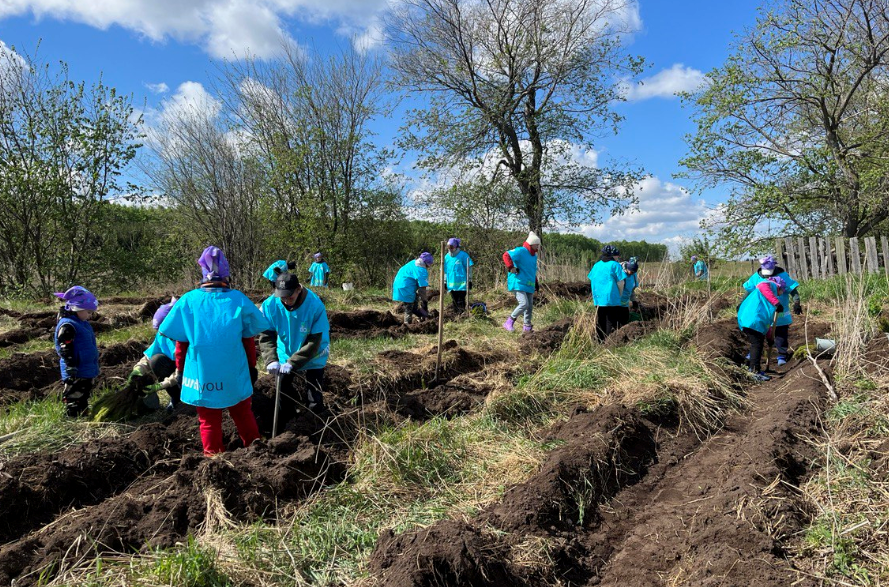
[781,335]
[756,340]
[608,319]
[301,388]
[458,300]
[76,396]
[163,366]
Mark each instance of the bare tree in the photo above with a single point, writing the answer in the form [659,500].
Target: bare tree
[200,167]
[526,79]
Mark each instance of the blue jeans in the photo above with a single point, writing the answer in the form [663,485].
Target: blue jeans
[526,305]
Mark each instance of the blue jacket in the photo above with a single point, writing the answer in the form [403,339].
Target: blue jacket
[161,345]
[456,270]
[526,280]
[408,279]
[293,327]
[85,350]
[756,311]
[785,318]
[317,271]
[604,277]
[213,322]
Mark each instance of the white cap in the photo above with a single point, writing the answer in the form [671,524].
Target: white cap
[765,271]
[532,239]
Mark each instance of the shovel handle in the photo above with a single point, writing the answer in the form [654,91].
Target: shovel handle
[277,404]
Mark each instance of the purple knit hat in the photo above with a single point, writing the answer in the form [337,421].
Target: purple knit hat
[454,242]
[768,262]
[78,298]
[427,258]
[162,313]
[213,264]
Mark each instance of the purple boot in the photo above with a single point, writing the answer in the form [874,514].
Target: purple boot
[527,328]
[509,324]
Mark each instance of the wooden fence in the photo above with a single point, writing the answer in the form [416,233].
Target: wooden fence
[819,258]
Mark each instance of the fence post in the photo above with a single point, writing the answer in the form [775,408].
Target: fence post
[790,261]
[885,242]
[803,264]
[815,257]
[855,254]
[873,261]
[779,252]
[842,267]
[828,257]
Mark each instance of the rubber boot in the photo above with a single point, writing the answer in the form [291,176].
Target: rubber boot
[509,324]
[782,360]
[527,328]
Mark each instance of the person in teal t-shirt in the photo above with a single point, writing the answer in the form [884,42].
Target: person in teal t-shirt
[521,262]
[319,271]
[607,280]
[410,285]
[458,274]
[769,268]
[699,268]
[156,369]
[628,297]
[297,342]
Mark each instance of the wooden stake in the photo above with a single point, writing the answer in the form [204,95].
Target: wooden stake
[441,285]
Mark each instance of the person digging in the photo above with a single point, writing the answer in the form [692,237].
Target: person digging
[410,285]
[297,342]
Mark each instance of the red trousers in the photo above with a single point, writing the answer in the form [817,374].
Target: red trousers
[211,426]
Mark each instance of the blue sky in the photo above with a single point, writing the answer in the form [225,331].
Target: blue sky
[160,49]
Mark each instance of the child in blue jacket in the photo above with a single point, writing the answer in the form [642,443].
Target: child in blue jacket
[76,346]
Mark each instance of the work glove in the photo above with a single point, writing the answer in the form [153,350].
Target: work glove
[779,308]
[285,368]
[273,368]
[171,382]
[797,309]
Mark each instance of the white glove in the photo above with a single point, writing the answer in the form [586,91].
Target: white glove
[285,368]
[273,367]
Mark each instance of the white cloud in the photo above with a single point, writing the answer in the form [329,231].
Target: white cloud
[159,88]
[190,98]
[666,213]
[666,83]
[223,27]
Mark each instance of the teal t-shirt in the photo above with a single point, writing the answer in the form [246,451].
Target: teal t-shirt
[604,277]
[786,317]
[457,270]
[161,345]
[213,322]
[294,327]
[317,271]
[408,279]
[630,284]
[526,280]
[756,312]
[700,269]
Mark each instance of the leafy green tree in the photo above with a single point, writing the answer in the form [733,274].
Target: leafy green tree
[515,87]
[64,147]
[796,123]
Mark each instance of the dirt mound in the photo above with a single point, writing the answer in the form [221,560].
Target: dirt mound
[629,333]
[447,400]
[36,375]
[169,500]
[575,290]
[722,339]
[20,335]
[361,320]
[547,340]
[603,451]
[451,553]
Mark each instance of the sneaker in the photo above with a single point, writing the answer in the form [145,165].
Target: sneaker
[760,376]
[782,361]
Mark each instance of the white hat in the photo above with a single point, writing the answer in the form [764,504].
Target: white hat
[532,239]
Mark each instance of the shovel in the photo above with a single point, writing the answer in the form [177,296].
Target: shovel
[770,338]
[277,404]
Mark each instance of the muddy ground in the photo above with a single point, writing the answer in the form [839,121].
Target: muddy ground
[622,499]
